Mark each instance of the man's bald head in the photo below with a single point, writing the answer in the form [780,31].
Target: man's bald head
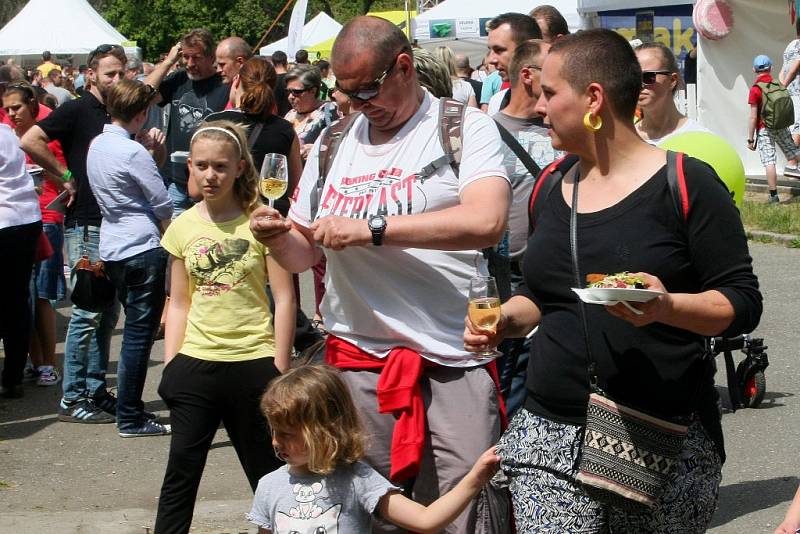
[371,41]
[235,47]
[231,54]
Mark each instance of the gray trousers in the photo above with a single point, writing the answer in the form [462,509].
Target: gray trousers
[462,421]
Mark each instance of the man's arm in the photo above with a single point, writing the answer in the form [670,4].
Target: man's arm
[34,142]
[162,69]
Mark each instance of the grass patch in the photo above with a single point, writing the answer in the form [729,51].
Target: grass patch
[4,485]
[778,218]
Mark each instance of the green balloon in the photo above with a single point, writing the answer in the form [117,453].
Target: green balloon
[715,151]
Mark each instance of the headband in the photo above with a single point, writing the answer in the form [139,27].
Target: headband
[218,129]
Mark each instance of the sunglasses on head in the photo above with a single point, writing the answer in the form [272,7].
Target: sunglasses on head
[371,90]
[649,77]
[298,92]
[103,49]
[25,87]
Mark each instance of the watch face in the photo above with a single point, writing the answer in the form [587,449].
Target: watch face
[376,222]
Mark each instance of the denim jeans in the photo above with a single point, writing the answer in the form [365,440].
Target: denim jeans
[179,194]
[140,287]
[89,335]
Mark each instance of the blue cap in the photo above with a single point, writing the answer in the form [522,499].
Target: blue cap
[762,62]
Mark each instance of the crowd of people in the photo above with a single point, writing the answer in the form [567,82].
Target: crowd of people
[408,175]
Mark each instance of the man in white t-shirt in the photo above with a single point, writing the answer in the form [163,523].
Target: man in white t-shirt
[401,249]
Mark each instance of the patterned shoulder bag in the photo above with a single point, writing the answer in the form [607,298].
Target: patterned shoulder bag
[627,455]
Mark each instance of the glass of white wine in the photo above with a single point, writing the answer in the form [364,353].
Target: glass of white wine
[274,177]
[484,306]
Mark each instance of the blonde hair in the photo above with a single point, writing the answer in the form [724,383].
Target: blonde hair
[246,185]
[315,400]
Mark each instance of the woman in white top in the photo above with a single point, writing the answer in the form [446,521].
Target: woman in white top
[661,79]
[20,227]
[462,90]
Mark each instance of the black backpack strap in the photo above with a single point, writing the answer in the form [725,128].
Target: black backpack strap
[512,143]
[330,140]
[545,183]
[676,179]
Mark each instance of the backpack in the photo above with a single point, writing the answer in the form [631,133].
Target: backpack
[777,109]
[451,114]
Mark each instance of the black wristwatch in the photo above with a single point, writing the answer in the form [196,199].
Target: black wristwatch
[377,225]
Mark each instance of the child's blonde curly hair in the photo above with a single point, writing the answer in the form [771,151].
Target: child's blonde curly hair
[315,400]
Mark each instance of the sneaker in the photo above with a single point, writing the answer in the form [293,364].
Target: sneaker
[12,392]
[791,171]
[106,402]
[773,199]
[48,376]
[83,411]
[148,428]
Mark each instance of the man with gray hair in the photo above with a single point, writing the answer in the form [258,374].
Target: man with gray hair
[133,69]
[402,230]
[193,93]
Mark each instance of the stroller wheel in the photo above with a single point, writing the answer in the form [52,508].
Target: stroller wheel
[754,386]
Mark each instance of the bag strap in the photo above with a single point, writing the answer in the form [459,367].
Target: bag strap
[451,126]
[254,133]
[545,183]
[331,139]
[676,179]
[511,142]
[573,249]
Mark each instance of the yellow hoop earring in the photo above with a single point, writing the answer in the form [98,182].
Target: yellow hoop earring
[587,122]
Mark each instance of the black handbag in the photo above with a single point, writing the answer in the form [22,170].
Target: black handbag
[92,290]
[626,456]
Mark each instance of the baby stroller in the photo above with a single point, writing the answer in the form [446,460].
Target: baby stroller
[746,381]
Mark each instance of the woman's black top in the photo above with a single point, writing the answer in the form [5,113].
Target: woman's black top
[276,136]
[655,368]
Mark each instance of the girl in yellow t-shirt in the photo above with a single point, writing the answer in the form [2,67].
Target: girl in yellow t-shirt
[222,344]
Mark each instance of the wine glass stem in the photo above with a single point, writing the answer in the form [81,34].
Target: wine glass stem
[270,203]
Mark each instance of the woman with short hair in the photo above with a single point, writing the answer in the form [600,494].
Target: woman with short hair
[647,356]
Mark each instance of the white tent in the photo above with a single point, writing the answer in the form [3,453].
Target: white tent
[464,19]
[62,27]
[320,28]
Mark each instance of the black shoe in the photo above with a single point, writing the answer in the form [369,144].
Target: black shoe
[106,402]
[12,392]
[83,411]
[148,428]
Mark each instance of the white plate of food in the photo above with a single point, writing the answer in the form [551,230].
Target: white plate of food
[608,289]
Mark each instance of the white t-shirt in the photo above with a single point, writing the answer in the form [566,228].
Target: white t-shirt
[18,201]
[379,298]
[495,101]
[462,91]
[690,125]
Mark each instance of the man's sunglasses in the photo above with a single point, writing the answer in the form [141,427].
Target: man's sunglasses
[298,92]
[371,90]
[649,77]
[103,49]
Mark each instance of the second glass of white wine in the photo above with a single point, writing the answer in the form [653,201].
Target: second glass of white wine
[484,306]
[274,177]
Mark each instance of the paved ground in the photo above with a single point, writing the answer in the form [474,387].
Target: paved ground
[74,478]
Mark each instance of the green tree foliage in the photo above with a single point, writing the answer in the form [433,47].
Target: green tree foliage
[157,24]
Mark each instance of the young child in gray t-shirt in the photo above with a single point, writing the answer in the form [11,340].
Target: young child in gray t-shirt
[324,487]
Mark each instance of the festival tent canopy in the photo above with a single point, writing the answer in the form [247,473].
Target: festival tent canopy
[316,30]
[456,19]
[397,17]
[76,29]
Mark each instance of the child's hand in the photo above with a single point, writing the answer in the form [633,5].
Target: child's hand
[751,145]
[486,466]
[789,526]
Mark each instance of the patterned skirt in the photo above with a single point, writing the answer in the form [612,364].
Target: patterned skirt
[540,461]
